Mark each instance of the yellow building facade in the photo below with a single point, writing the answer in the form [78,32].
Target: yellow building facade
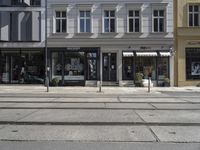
[187,42]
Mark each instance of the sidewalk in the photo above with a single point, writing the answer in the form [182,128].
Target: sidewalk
[40,90]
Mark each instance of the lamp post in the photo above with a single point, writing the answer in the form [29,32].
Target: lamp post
[46,51]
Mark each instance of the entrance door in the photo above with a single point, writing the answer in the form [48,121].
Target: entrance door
[17,68]
[109,67]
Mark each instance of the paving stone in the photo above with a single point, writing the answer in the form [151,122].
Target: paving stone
[177,133]
[149,100]
[177,106]
[14,114]
[129,105]
[170,116]
[77,133]
[83,116]
[87,100]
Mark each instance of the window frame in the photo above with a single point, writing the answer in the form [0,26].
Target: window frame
[193,14]
[134,18]
[85,18]
[61,18]
[159,17]
[109,18]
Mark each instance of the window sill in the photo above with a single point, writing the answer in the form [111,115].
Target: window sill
[84,34]
[109,33]
[161,33]
[133,33]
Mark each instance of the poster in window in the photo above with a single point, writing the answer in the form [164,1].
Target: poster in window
[195,68]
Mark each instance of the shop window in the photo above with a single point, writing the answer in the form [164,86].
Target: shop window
[57,65]
[163,70]
[127,66]
[61,22]
[74,66]
[22,67]
[85,21]
[109,21]
[91,66]
[134,20]
[158,21]
[146,66]
[192,63]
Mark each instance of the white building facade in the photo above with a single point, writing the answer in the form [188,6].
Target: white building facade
[112,41]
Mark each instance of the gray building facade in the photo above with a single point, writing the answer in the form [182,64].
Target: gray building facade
[121,38]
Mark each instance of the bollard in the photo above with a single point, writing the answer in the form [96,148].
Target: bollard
[149,85]
[100,86]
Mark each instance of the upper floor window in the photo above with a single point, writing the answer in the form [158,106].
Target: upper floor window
[61,22]
[85,21]
[158,21]
[134,21]
[194,14]
[35,2]
[109,21]
[26,2]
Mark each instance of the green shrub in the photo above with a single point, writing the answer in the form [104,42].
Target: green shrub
[138,79]
[166,82]
[55,81]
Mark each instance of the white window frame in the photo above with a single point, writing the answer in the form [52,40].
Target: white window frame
[61,19]
[159,17]
[193,13]
[134,17]
[109,18]
[85,18]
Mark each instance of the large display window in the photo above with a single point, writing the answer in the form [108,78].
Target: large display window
[22,66]
[193,63]
[73,67]
[147,66]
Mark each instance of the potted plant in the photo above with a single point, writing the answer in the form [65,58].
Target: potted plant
[55,81]
[166,82]
[138,79]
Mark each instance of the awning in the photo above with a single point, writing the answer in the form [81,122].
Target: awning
[165,54]
[146,54]
[128,54]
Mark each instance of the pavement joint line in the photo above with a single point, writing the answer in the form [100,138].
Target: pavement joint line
[148,127]
[85,141]
[28,114]
[95,102]
[153,106]
[154,134]
[93,108]
[91,96]
[32,123]
[118,98]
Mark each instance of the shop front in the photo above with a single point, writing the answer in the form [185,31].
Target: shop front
[22,66]
[74,66]
[148,64]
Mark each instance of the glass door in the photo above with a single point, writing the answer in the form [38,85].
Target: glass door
[17,69]
[109,67]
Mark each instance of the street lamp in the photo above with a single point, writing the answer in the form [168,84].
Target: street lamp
[46,51]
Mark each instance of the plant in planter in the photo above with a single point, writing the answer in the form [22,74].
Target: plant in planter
[138,79]
[55,81]
[166,82]
[198,85]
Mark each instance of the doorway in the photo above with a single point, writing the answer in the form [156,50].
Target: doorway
[109,67]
